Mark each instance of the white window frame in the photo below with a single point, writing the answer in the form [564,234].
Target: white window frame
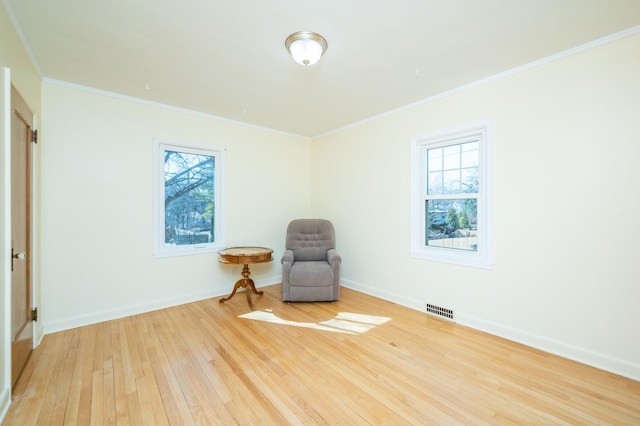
[483,256]
[160,249]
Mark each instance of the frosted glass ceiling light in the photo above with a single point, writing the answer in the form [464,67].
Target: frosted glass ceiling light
[306,47]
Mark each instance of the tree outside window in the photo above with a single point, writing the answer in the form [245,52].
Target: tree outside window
[189,207]
[188,193]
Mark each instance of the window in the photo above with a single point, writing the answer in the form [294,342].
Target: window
[450,197]
[188,214]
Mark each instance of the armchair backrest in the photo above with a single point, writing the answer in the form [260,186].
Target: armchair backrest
[310,239]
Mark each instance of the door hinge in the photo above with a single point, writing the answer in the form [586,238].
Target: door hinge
[34,136]
[34,314]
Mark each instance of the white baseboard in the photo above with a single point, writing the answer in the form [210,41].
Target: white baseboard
[97,317]
[585,356]
[391,297]
[5,403]
[153,305]
[265,282]
[575,353]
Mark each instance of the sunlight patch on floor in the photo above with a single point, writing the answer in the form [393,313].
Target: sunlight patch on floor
[344,322]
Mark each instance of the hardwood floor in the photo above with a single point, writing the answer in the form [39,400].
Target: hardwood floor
[357,361]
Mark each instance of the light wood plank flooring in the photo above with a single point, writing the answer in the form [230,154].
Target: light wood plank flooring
[357,361]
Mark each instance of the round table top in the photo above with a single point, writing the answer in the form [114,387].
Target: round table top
[245,255]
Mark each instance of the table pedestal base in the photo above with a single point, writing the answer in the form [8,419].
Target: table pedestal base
[248,285]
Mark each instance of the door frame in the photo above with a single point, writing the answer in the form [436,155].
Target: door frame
[5,239]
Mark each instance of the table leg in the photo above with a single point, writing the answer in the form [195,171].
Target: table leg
[248,285]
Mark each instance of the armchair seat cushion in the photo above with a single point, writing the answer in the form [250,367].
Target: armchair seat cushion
[311,274]
[312,294]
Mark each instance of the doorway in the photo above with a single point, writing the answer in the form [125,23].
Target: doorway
[22,314]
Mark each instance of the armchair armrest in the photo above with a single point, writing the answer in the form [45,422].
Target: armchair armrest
[287,258]
[333,257]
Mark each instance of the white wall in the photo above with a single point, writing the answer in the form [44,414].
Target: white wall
[566,145]
[97,205]
[15,69]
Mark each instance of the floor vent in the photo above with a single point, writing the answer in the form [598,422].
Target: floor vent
[439,311]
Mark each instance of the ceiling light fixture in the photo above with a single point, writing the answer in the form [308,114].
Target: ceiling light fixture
[306,47]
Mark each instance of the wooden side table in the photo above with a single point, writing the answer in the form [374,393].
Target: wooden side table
[245,256]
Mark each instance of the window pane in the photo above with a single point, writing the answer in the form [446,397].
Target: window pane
[434,159]
[470,155]
[434,184]
[452,224]
[453,169]
[451,182]
[452,157]
[470,180]
[188,198]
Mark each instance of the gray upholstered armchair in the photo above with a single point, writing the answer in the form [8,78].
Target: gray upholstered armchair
[310,264]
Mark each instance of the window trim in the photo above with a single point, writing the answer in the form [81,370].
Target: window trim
[483,257]
[159,250]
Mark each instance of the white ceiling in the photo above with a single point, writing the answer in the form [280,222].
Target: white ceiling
[227,58]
